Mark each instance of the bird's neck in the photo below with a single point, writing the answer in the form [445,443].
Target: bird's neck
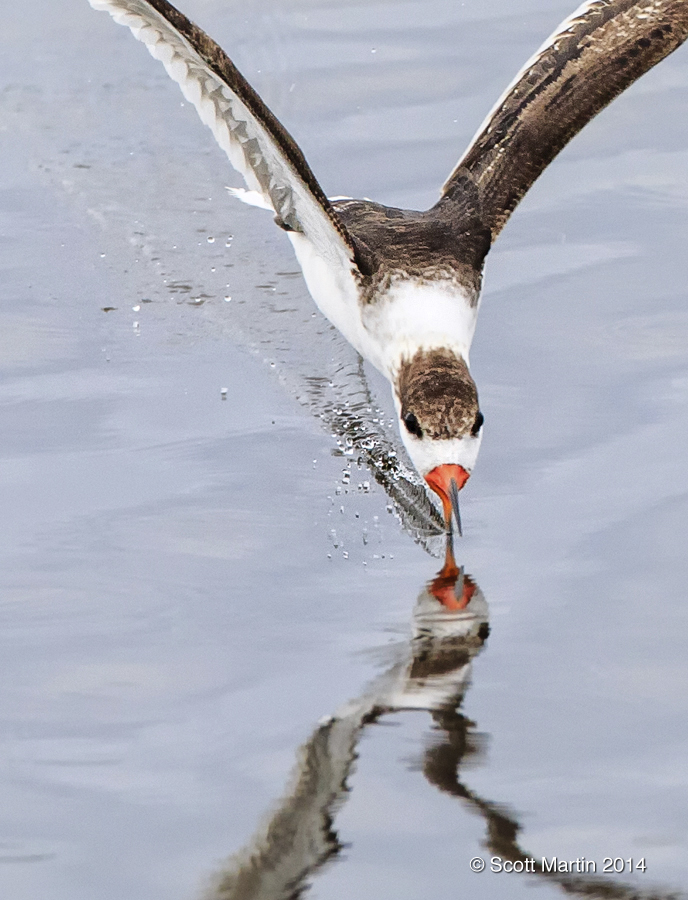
[413,316]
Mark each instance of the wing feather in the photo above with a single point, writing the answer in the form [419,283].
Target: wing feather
[256,143]
[592,57]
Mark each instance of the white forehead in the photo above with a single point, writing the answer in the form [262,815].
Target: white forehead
[426,453]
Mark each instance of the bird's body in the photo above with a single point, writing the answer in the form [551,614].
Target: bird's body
[404,286]
[402,313]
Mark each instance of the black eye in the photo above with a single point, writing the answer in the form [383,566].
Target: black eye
[478,424]
[413,425]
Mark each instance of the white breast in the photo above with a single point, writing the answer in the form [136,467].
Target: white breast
[415,316]
[410,316]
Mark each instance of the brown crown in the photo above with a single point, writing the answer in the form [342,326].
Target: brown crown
[436,387]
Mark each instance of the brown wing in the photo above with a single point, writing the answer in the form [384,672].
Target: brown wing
[591,58]
[257,144]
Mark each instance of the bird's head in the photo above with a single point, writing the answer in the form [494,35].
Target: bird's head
[440,422]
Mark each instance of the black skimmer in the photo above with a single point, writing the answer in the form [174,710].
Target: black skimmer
[404,286]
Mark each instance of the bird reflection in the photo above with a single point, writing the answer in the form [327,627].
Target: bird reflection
[430,671]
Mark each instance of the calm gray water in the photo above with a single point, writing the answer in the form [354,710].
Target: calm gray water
[191,586]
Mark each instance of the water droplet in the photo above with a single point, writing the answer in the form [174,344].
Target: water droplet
[223,393]
[136,308]
[228,299]
[211,240]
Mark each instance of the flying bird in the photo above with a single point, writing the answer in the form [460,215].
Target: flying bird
[404,286]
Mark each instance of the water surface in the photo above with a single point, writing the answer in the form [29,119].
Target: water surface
[191,586]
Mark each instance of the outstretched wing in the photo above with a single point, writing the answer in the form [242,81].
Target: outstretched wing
[590,59]
[257,144]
